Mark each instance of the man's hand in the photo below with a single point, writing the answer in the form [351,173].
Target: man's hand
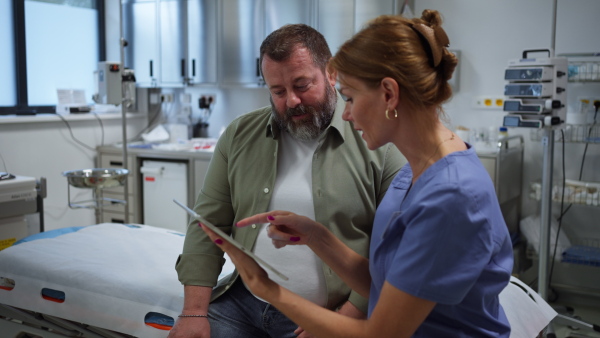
[190,327]
[195,302]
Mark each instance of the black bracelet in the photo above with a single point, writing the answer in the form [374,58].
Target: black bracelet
[203,316]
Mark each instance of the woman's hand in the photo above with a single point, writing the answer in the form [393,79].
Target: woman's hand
[253,274]
[285,228]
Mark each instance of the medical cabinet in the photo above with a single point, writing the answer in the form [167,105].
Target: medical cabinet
[191,169]
[19,196]
[163,181]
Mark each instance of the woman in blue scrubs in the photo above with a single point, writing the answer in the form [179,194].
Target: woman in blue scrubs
[440,249]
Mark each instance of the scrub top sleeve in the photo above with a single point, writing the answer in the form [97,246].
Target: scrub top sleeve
[445,245]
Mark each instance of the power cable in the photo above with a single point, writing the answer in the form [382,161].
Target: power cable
[73,136]
[596,105]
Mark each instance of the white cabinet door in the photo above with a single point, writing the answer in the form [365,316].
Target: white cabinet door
[172,20]
[141,33]
[163,181]
[242,31]
[202,41]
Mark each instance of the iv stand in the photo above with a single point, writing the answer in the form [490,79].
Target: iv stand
[123,112]
[546,211]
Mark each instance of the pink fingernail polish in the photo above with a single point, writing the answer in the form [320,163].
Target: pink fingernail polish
[270,218]
[219,241]
[294,239]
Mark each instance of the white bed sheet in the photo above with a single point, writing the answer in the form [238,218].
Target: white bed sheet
[112,275]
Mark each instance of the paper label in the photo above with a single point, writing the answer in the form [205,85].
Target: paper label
[5,243]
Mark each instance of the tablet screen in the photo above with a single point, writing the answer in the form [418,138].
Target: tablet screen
[230,239]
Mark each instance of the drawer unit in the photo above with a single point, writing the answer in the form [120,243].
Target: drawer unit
[111,157]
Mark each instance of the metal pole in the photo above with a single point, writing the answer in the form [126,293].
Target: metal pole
[546,211]
[553,32]
[123,113]
[546,199]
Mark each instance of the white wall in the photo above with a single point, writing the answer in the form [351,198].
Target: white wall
[45,148]
[229,104]
[489,34]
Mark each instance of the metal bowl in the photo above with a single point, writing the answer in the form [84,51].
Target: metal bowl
[96,178]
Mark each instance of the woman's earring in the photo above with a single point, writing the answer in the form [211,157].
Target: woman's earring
[387,116]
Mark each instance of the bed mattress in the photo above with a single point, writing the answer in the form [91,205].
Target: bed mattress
[122,278]
[113,276]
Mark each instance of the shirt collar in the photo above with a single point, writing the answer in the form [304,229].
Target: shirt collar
[337,124]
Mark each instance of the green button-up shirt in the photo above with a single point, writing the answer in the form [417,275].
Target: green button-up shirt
[349,181]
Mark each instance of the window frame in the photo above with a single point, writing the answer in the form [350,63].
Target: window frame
[22,106]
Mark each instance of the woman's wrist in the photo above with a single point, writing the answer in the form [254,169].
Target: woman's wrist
[318,237]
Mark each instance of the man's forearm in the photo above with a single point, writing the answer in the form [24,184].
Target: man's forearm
[196,299]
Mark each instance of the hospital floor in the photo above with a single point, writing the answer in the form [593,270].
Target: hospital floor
[587,314]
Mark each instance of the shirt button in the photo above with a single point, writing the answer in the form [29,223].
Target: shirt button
[253,226]
[266,190]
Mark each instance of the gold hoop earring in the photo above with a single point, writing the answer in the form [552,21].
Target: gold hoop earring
[387,114]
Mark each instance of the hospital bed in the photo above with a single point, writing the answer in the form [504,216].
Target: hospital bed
[118,280]
[103,280]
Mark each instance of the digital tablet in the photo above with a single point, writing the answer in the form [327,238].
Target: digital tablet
[230,240]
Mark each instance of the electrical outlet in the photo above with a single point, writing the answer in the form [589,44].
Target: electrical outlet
[488,102]
[206,101]
[167,97]
[587,104]
[595,103]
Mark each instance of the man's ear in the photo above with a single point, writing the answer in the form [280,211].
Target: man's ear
[391,91]
[331,76]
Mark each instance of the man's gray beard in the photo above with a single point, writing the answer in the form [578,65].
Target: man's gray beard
[307,130]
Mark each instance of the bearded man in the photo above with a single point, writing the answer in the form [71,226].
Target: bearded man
[297,155]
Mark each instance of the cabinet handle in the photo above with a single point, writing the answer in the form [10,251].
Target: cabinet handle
[116,163]
[257,67]
[182,67]
[193,67]
[116,220]
[151,69]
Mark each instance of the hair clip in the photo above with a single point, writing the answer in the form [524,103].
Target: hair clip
[436,38]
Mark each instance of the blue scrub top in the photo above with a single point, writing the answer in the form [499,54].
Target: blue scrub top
[445,241]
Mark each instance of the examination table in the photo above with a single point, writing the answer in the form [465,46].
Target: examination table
[104,280]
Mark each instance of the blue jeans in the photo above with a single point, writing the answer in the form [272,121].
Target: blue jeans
[238,314]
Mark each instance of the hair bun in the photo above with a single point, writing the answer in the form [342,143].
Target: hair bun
[436,38]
